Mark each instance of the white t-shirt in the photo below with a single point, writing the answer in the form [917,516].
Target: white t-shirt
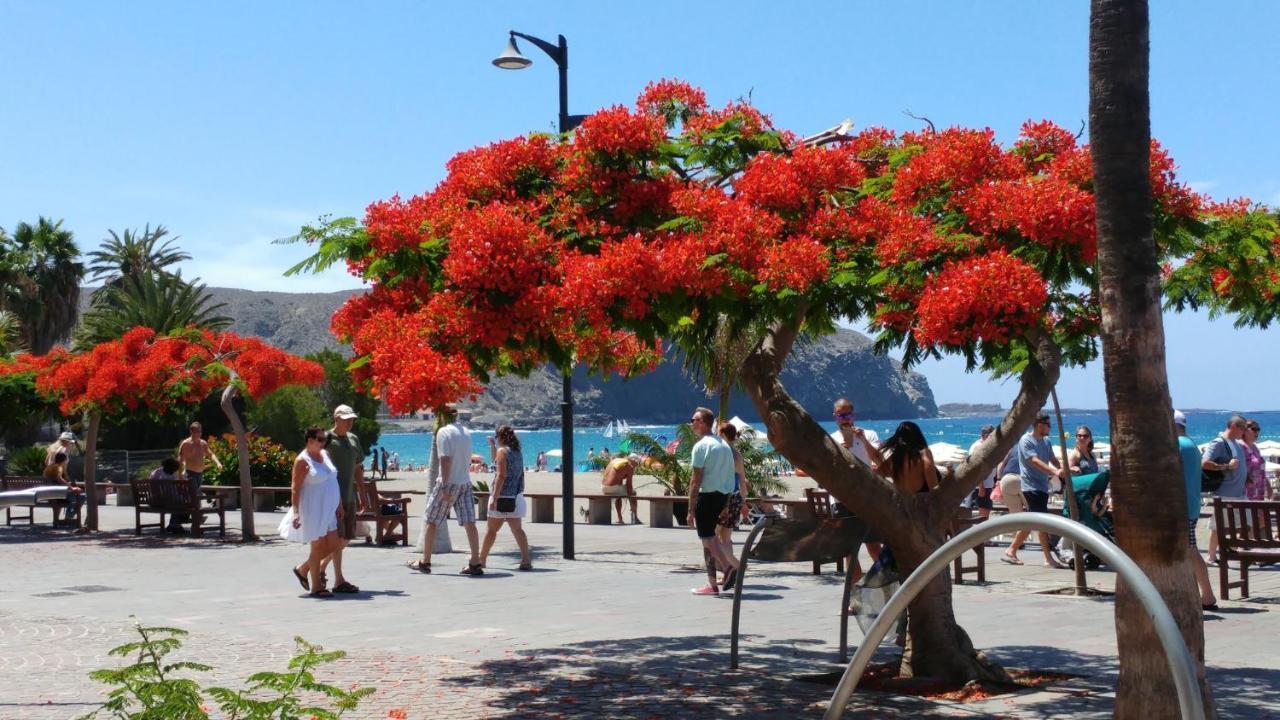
[455,444]
[859,450]
[989,481]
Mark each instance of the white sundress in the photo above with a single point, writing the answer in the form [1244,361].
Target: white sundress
[318,502]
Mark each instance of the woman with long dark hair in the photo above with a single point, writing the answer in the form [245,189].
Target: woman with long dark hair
[907,460]
[506,502]
[1081,457]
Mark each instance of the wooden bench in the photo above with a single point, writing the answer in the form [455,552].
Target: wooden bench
[168,497]
[819,504]
[31,492]
[961,522]
[1249,533]
[374,510]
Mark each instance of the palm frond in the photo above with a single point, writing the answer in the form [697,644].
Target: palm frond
[164,302]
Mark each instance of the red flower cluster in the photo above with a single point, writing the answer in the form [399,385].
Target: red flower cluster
[799,181]
[495,248]
[617,131]
[502,170]
[951,161]
[672,99]
[1174,197]
[1041,142]
[990,297]
[797,263]
[1046,210]
[404,370]
[396,224]
[743,118]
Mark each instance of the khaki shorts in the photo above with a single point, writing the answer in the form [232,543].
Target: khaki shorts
[1011,489]
[347,528]
[614,490]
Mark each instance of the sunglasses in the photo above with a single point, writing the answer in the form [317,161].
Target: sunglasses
[694,420]
[1083,435]
[1254,428]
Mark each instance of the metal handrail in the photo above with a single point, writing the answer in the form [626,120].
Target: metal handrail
[1175,649]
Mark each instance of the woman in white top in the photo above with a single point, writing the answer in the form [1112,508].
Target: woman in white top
[316,510]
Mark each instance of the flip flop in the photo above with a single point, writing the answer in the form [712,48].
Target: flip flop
[346,588]
[473,570]
[322,594]
[1010,560]
[302,580]
[526,567]
[424,568]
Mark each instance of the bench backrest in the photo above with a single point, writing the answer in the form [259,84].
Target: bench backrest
[819,502]
[168,495]
[24,482]
[1247,523]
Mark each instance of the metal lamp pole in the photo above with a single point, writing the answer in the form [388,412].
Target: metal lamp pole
[512,59]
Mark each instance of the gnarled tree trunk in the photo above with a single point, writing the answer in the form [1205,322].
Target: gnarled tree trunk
[242,455]
[914,526]
[1146,478]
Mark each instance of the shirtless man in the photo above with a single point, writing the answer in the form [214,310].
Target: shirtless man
[619,476]
[193,452]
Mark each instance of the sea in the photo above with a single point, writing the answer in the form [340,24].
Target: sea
[1202,426]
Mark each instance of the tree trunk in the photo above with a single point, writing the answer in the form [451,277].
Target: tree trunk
[723,410]
[914,526]
[90,471]
[1146,478]
[1068,492]
[242,454]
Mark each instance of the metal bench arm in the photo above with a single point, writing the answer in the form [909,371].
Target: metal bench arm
[1180,662]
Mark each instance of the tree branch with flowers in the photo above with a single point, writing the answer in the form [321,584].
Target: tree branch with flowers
[672,220]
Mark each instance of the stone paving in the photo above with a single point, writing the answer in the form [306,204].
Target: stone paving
[614,633]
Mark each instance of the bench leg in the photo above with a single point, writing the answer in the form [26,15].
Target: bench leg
[1244,579]
[661,514]
[1224,588]
[544,510]
[599,511]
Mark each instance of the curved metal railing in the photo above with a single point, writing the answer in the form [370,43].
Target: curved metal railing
[1180,662]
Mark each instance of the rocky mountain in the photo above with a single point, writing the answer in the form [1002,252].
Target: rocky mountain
[817,372]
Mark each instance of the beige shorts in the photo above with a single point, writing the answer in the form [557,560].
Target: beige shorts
[614,490]
[1011,490]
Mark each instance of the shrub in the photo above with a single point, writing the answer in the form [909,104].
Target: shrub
[270,463]
[27,460]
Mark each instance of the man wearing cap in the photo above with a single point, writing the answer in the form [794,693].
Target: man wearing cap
[1191,462]
[618,481]
[1036,465]
[1224,454]
[347,456]
[66,443]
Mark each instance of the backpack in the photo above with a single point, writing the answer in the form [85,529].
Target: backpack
[1211,480]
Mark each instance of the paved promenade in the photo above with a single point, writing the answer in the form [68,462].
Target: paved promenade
[615,633]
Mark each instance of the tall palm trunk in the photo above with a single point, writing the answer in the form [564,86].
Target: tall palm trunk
[1146,477]
[242,455]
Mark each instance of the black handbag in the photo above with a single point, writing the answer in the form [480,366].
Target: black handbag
[506,505]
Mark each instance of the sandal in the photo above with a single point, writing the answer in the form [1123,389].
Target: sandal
[472,569]
[526,567]
[322,593]
[1010,560]
[302,580]
[346,588]
[422,567]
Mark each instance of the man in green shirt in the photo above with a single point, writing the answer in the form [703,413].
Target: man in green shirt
[348,457]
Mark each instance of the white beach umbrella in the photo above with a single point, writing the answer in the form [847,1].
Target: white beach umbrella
[945,453]
[555,452]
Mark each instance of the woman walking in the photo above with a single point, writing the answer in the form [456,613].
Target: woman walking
[316,510]
[506,503]
[1256,486]
[733,509]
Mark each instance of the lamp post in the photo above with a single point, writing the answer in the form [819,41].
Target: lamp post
[512,59]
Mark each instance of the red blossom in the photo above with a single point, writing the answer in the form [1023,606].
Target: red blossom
[797,263]
[1040,142]
[672,99]
[1046,210]
[990,297]
[799,180]
[951,160]
[617,131]
[742,117]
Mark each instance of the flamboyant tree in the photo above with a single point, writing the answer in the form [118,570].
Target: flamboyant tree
[672,219]
[160,375]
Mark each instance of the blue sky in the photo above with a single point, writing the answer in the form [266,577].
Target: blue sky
[232,123]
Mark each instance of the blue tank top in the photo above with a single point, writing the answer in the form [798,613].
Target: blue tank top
[513,483]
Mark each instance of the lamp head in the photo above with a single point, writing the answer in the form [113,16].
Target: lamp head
[511,59]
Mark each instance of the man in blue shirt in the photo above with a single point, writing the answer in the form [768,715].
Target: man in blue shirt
[1224,454]
[1191,462]
[1036,465]
[709,490]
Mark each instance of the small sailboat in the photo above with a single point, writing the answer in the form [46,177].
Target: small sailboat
[608,430]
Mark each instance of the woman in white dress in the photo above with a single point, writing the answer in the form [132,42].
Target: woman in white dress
[316,510]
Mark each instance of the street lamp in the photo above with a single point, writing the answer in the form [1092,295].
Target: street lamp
[512,59]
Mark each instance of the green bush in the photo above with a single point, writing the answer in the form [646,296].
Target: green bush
[27,460]
[270,463]
[150,689]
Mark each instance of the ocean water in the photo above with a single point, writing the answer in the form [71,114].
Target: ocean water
[1202,426]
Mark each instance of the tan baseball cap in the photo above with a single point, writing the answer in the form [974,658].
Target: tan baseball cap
[345,412]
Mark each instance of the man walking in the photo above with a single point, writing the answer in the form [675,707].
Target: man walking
[1036,465]
[193,455]
[709,490]
[1191,461]
[1225,455]
[453,489]
[347,456]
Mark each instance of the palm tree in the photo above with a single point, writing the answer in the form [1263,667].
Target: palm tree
[164,302]
[1145,453]
[717,359]
[10,334]
[42,273]
[134,255]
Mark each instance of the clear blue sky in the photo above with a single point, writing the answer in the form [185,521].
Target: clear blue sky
[232,123]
